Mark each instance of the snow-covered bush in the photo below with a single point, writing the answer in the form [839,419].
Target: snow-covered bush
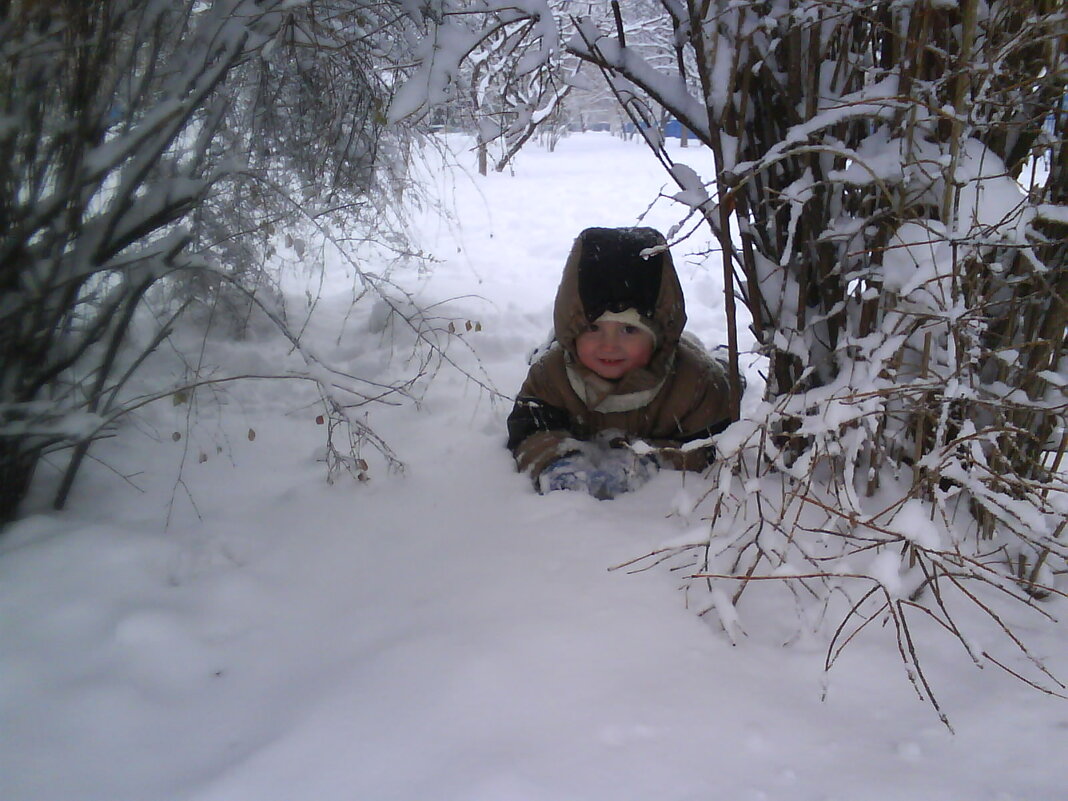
[155,155]
[890,199]
[881,201]
[491,68]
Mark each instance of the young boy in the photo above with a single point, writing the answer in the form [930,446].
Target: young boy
[620,393]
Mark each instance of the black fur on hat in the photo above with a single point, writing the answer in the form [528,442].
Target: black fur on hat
[613,276]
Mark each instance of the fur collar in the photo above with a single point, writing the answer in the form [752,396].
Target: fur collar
[600,396]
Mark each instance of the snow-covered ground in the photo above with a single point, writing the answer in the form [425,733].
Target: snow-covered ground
[448,634]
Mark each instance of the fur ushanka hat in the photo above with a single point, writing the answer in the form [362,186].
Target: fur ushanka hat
[614,270]
[620,271]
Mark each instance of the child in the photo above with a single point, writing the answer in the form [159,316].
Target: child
[620,392]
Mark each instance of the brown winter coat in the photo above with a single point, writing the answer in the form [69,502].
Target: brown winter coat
[673,405]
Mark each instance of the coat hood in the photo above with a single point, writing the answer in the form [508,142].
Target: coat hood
[611,270]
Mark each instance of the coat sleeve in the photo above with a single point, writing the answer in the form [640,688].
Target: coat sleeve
[539,430]
[705,413]
[692,453]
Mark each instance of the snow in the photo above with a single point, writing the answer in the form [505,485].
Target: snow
[1057,214]
[446,633]
[886,569]
[439,58]
[694,193]
[914,523]
[913,260]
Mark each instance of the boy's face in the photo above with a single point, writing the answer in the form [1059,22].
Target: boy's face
[613,349]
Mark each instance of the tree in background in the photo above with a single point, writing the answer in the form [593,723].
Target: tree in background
[890,201]
[156,152]
[496,69]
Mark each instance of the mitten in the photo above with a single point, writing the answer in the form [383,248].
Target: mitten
[570,472]
[620,470]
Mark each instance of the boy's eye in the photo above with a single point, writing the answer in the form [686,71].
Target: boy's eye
[630,329]
[593,327]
